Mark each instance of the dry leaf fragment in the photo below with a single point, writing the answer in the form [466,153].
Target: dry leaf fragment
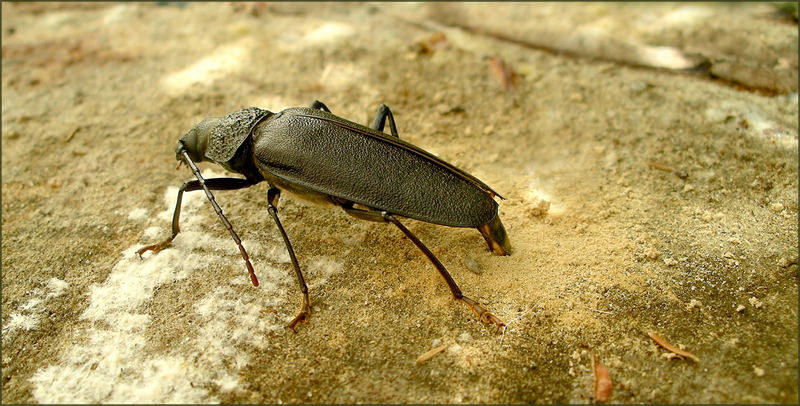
[503,73]
[602,382]
[431,44]
[669,347]
[431,353]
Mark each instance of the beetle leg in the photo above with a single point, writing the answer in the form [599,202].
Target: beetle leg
[380,120]
[484,315]
[273,194]
[369,215]
[190,186]
[320,106]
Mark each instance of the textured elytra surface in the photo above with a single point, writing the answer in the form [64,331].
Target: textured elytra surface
[229,133]
[301,146]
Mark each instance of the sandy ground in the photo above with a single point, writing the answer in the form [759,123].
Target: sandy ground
[608,245]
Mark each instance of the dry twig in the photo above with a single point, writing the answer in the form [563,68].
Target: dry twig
[669,347]
[667,168]
[71,134]
[430,354]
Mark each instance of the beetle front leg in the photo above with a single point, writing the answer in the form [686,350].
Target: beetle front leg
[380,120]
[305,310]
[191,186]
[207,185]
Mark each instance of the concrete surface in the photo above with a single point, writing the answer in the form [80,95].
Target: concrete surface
[609,244]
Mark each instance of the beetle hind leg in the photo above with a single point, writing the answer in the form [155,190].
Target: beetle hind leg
[483,314]
[382,216]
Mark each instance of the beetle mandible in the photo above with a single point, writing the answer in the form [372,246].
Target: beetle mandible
[321,157]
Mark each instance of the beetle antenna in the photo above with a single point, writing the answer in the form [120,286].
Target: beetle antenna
[222,217]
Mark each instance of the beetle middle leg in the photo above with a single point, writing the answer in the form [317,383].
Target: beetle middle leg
[273,194]
[382,216]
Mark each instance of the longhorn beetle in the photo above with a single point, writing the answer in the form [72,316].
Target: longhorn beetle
[319,156]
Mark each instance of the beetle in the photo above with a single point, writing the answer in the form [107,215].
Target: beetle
[312,153]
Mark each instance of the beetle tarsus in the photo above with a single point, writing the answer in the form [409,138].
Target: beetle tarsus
[154,247]
[484,315]
[303,316]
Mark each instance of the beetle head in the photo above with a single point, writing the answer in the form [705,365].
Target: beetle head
[195,142]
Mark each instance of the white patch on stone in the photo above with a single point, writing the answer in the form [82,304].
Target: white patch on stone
[56,287]
[112,360]
[139,213]
[29,313]
[219,64]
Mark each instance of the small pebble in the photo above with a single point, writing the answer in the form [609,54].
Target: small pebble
[638,86]
[539,208]
[755,302]
[473,265]
[740,308]
[758,371]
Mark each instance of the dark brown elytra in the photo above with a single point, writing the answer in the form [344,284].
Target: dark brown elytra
[324,158]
